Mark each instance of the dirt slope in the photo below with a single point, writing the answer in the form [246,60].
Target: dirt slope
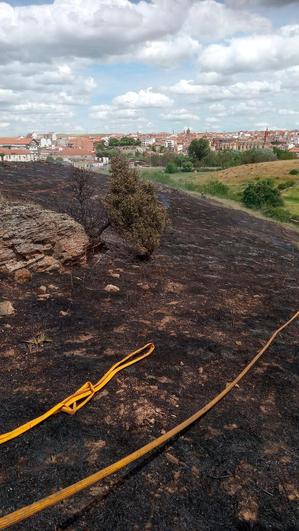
[214,291]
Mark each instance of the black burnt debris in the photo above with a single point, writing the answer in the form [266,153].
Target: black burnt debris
[214,291]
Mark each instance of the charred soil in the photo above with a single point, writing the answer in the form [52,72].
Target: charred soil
[214,291]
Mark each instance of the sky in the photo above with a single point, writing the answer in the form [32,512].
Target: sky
[123,66]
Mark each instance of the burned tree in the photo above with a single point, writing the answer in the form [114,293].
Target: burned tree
[85,205]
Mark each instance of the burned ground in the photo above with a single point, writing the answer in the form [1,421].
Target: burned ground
[220,283]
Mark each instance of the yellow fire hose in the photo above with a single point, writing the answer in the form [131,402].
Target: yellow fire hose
[53,499]
[82,396]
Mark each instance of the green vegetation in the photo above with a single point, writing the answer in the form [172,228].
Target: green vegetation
[282,154]
[280,214]
[228,159]
[123,141]
[292,172]
[261,194]
[187,166]
[198,150]
[134,208]
[285,185]
[171,168]
[264,194]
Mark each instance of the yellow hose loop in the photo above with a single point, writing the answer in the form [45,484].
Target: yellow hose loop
[28,511]
[82,396]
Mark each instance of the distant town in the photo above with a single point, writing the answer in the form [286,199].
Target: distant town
[92,151]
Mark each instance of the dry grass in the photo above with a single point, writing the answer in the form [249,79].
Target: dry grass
[277,169]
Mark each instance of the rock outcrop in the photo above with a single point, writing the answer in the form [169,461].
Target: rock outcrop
[38,239]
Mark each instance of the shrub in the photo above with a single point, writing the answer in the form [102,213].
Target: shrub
[260,194]
[187,166]
[216,188]
[134,208]
[279,213]
[294,172]
[171,168]
[285,185]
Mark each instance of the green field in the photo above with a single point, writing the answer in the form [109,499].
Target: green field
[229,184]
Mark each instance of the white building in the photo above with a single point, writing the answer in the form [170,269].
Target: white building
[17,155]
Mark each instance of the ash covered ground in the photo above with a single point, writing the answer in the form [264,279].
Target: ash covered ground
[212,294]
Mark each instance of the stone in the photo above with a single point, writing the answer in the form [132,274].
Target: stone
[6,308]
[42,289]
[37,239]
[110,288]
[114,275]
[22,276]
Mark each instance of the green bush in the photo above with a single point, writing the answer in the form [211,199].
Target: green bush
[134,208]
[294,172]
[171,168]
[261,194]
[187,166]
[285,184]
[216,188]
[279,213]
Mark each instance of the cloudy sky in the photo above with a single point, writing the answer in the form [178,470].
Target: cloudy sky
[124,65]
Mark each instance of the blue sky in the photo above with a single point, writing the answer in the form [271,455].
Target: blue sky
[120,66]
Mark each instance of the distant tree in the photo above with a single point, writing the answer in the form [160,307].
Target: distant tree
[179,160]
[283,154]
[261,194]
[113,141]
[134,208]
[253,156]
[2,155]
[199,149]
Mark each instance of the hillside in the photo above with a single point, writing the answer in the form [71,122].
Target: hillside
[279,169]
[214,291]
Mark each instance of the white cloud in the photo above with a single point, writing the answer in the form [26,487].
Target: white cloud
[85,28]
[58,59]
[289,78]
[256,3]
[7,96]
[217,108]
[168,53]
[254,53]
[239,90]
[288,112]
[213,78]
[211,20]
[178,115]
[110,112]
[142,99]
